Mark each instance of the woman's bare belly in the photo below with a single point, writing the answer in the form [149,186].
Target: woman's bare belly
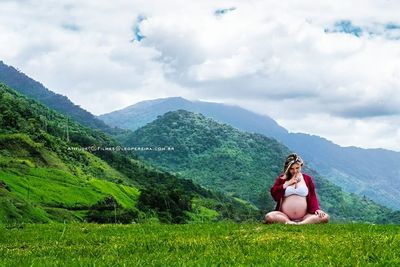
[294,206]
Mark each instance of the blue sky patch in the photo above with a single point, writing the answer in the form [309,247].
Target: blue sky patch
[138,35]
[392,26]
[223,11]
[345,26]
[71,27]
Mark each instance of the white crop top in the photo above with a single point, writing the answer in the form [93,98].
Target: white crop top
[300,190]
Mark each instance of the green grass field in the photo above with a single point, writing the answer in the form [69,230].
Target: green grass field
[211,244]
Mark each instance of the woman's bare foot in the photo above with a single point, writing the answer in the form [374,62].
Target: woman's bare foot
[291,222]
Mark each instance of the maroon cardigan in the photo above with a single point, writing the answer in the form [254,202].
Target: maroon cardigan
[278,193]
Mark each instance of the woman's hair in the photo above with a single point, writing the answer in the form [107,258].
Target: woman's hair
[290,160]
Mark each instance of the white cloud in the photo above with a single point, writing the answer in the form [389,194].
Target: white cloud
[272,57]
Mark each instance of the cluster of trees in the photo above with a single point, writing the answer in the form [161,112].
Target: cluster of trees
[170,204]
[108,210]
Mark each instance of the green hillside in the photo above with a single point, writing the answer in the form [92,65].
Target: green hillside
[242,164]
[48,174]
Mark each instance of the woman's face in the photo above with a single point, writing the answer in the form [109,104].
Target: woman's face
[295,168]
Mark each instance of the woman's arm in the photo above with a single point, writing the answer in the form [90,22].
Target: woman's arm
[278,189]
[313,200]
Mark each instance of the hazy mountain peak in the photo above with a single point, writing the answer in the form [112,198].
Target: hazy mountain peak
[144,112]
[27,86]
[154,102]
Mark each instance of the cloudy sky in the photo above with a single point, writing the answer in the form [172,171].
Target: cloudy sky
[330,68]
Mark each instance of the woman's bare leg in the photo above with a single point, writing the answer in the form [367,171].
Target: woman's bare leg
[276,217]
[313,218]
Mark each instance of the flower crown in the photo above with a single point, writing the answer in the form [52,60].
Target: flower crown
[296,159]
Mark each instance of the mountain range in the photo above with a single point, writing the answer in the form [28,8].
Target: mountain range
[365,172]
[46,176]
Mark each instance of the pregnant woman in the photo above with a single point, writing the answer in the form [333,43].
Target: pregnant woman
[295,195]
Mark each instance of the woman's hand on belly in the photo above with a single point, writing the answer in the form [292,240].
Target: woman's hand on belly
[294,206]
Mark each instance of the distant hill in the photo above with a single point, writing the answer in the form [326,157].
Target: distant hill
[35,90]
[241,164]
[137,115]
[366,172]
[55,169]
